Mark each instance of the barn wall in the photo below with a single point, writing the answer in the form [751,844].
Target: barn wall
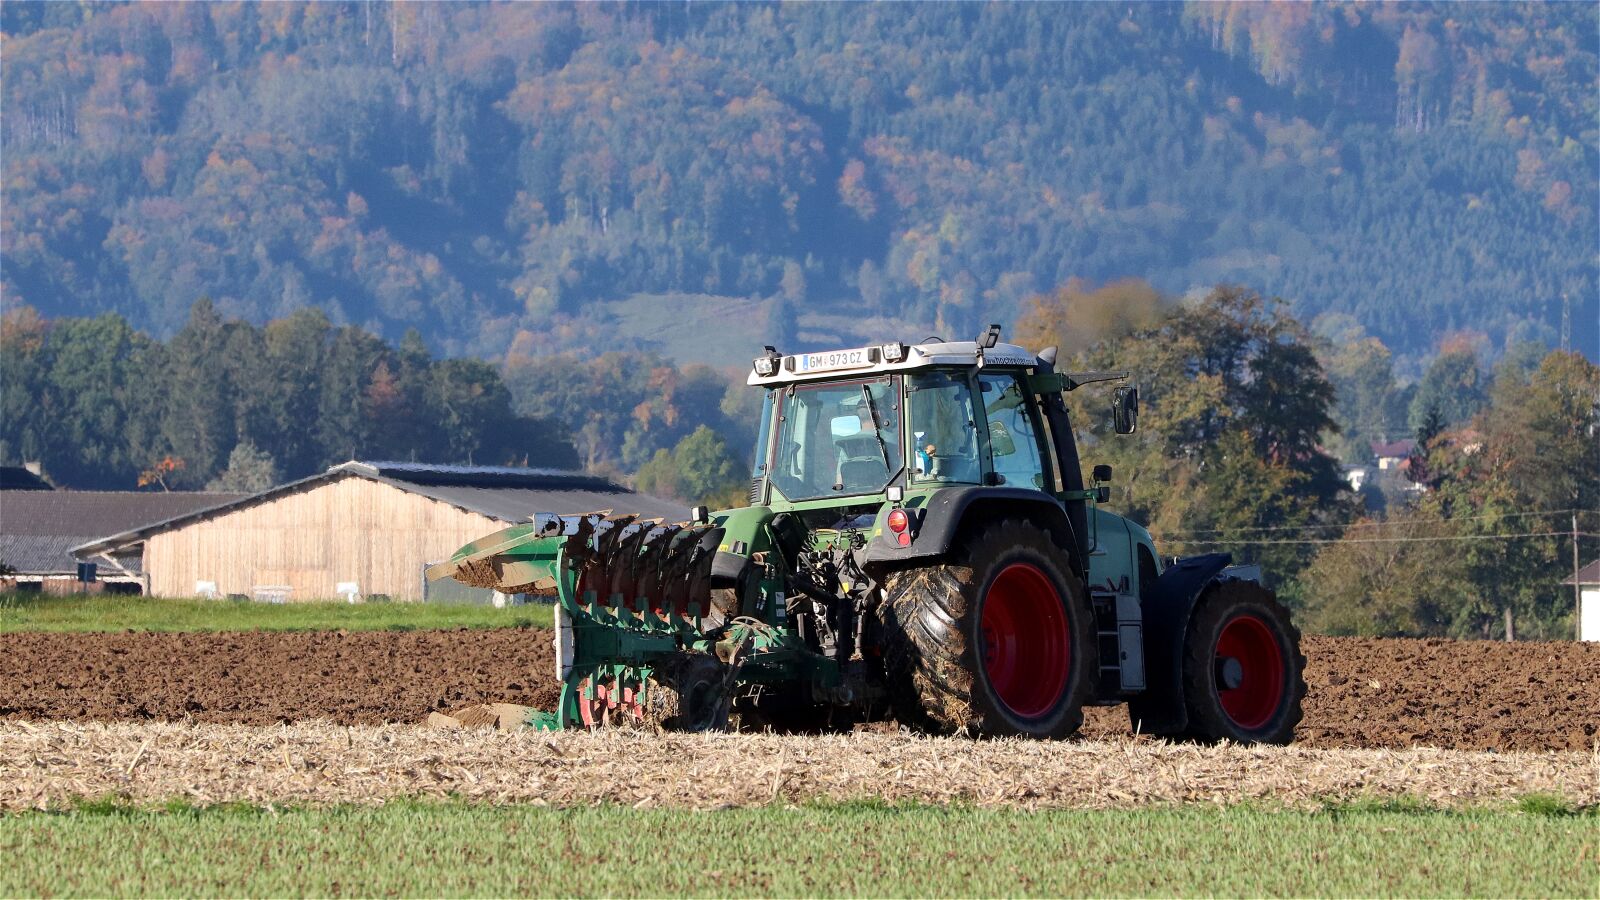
[351,529]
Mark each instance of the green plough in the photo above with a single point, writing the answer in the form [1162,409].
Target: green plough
[637,638]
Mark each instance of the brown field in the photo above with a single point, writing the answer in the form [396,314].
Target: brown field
[48,764]
[1364,693]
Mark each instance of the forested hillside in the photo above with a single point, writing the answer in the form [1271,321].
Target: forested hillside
[229,406]
[507,176]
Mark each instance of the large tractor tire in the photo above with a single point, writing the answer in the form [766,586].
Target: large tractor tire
[997,640]
[1243,673]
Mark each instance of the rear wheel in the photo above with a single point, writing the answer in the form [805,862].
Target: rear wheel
[998,641]
[1243,673]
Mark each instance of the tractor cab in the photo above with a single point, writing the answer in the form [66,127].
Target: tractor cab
[856,433]
[850,423]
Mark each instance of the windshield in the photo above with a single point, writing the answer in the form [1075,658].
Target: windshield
[838,437]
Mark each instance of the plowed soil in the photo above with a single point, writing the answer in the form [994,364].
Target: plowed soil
[1363,692]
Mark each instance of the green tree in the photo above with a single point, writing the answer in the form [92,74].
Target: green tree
[198,424]
[1454,385]
[1233,408]
[1487,556]
[1370,586]
[700,469]
[659,476]
[706,470]
[1361,369]
[250,470]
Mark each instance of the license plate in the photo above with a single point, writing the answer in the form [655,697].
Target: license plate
[834,359]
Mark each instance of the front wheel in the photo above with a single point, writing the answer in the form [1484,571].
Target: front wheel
[1243,673]
[998,640]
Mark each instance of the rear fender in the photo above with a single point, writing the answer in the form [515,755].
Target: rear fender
[1166,621]
[940,523]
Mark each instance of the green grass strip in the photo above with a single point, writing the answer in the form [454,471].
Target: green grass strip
[1543,848]
[88,613]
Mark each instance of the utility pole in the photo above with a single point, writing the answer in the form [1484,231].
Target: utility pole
[1577,592]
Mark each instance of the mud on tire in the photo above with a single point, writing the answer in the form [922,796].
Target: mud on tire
[1028,673]
[692,692]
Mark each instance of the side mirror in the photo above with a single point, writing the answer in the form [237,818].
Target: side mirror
[1102,473]
[1125,409]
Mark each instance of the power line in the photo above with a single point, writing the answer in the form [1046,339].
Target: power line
[1177,535]
[1394,540]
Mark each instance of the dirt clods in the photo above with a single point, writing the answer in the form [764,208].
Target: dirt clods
[261,677]
[1363,692]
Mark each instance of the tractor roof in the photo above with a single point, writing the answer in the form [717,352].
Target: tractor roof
[831,364]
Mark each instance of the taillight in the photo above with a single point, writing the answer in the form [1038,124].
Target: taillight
[898,523]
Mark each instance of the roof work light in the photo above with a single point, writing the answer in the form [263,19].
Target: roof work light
[767,364]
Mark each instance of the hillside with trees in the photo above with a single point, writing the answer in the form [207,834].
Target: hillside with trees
[226,405]
[524,178]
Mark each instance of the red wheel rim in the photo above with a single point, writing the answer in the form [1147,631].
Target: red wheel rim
[1027,646]
[1250,641]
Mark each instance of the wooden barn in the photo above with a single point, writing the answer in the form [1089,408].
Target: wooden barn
[359,530]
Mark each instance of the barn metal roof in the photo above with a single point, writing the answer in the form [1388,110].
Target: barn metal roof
[38,529]
[499,492]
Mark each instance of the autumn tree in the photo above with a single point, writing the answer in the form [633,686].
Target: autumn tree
[1455,386]
[1233,407]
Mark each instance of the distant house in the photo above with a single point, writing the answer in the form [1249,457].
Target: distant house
[1391,454]
[360,529]
[1588,583]
[40,527]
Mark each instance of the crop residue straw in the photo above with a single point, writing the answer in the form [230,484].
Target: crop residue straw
[47,764]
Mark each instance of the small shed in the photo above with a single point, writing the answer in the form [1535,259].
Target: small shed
[1588,583]
[40,527]
[358,530]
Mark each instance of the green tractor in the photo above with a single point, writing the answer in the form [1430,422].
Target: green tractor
[919,543]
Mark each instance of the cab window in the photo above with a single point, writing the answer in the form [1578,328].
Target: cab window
[1013,433]
[758,469]
[944,431]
